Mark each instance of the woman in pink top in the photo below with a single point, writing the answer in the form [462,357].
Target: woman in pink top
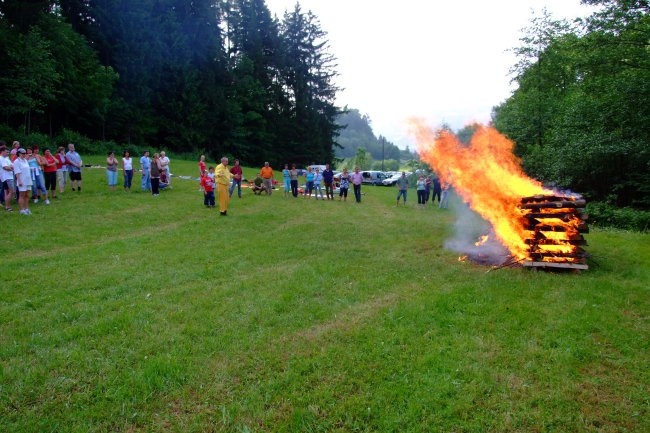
[356,183]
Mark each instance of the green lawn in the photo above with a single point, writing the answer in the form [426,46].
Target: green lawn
[132,313]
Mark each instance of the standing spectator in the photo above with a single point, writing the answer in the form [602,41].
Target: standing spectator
[328,180]
[344,184]
[357,179]
[74,167]
[222,176]
[211,176]
[61,169]
[49,171]
[286,177]
[164,163]
[6,177]
[402,187]
[237,173]
[14,150]
[318,178]
[111,170]
[23,180]
[155,175]
[201,165]
[294,180]
[38,186]
[267,177]
[428,182]
[444,201]
[145,167]
[207,184]
[127,169]
[436,191]
[309,186]
[420,190]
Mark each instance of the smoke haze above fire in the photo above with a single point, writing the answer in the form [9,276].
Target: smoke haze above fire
[440,61]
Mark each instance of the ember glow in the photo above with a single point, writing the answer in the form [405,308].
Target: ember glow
[487,175]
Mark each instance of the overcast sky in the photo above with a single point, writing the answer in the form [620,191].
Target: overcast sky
[445,61]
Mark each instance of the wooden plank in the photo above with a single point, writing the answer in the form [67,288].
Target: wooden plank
[555,265]
[555,204]
[556,241]
[564,216]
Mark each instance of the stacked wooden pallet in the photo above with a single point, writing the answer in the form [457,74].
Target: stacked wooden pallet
[555,224]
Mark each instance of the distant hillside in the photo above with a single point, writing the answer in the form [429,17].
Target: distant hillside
[357,132]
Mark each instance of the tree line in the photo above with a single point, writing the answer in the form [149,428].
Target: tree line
[213,76]
[580,116]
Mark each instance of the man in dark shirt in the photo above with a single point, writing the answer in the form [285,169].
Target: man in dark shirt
[328,179]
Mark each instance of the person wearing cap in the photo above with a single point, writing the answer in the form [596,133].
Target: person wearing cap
[74,167]
[6,177]
[23,180]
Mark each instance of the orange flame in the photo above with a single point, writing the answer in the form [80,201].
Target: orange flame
[481,240]
[486,174]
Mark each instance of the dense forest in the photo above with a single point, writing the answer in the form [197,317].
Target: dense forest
[580,116]
[218,76]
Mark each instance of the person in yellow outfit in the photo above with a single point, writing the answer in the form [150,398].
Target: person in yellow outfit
[222,176]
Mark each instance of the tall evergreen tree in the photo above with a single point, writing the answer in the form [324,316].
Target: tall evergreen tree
[308,76]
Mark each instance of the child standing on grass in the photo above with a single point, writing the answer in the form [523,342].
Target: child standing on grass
[207,185]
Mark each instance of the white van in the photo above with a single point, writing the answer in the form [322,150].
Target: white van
[373,177]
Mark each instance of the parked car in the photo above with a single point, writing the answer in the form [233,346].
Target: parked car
[393,179]
[390,181]
[372,177]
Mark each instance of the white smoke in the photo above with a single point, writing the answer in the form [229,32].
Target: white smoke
[469,227]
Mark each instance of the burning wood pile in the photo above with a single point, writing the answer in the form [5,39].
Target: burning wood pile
[555,225]
[541,230]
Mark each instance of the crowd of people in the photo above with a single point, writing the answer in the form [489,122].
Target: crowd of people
[27,175]
[156,175]
[426,187]
[225,179]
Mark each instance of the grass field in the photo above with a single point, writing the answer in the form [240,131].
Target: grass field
[132,313]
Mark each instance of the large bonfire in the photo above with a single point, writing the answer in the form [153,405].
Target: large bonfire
[487,175]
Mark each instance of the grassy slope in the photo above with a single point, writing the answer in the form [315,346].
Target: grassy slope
[125,312]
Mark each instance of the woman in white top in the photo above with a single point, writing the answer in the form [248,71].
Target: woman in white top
[23,181]
[127,167]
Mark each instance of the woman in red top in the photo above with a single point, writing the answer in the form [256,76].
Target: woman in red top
[49,168]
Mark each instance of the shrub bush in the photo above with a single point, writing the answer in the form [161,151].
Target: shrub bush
[606,215]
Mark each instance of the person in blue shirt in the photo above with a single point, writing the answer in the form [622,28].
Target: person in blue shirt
[318,178]
[145,167]
[74,167]
[309,187]
[286,176]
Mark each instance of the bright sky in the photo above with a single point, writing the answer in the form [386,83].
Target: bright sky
[444,61]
